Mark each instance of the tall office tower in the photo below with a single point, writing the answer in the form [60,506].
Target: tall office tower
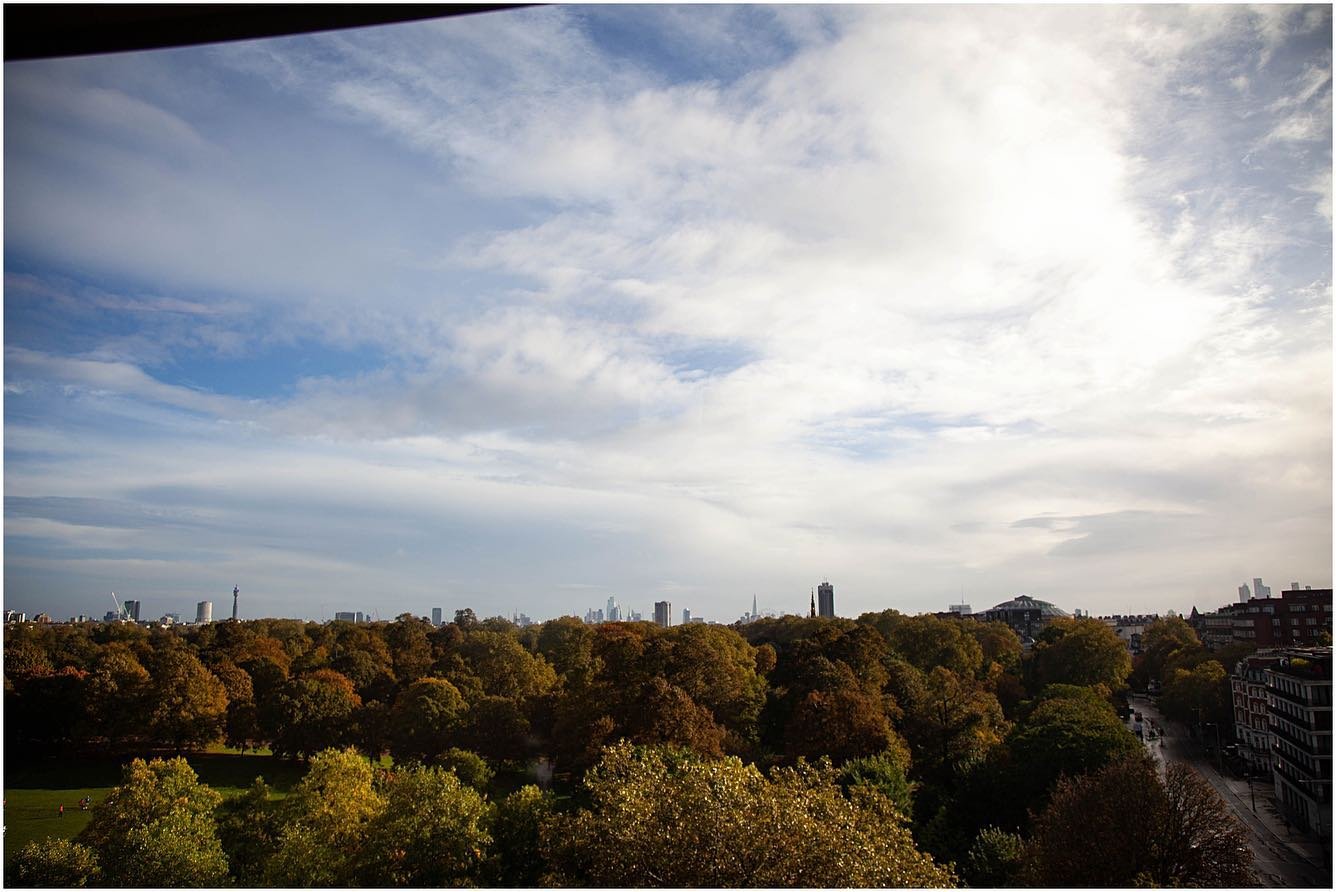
[131,609]
[663,613]
[1244,594]
[204,612]
[345,616]
[435,616]
[813,614]
[359,617]
[825,595]
[753,613]
[614,611]
[686,616]
[1259,590]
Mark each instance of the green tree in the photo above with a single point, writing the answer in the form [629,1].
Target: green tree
[516,859]
[425,719]
[187,702]
[927,642]
[53,863]
[1064,735]
[567,643]
[496,727]
[432,832]
[504,668]
[157,828]
[994,859]
[1081,652]
[249,828]
[884,772]
[325,821]
[471,769]
[658,818]
[1200,695]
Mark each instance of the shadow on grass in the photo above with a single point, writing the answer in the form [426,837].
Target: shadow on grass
[225,772]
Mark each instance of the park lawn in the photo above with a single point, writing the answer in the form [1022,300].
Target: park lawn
[35,790]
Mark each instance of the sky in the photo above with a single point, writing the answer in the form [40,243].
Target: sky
[523,310]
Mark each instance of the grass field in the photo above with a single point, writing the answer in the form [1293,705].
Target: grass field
[34,791]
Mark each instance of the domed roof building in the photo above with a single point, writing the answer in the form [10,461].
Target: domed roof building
[1026,615]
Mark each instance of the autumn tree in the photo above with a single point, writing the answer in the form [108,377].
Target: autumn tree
[431,832]
[503,667]
[951,723]
[325,821]
[310,713]
[1201,694]
[53,863]
[117,695]
[998,643]
[1161,639]
[665,819]
[1080,651]
[187,704]
[927,642]
[1124,826]
[157,829]
[716,667]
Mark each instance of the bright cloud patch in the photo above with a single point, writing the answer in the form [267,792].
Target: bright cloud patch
[692,302]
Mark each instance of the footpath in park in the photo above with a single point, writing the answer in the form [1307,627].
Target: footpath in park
[1284,855]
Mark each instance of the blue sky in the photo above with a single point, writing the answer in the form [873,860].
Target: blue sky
[517,311]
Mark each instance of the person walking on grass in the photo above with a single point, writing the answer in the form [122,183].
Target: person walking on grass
[62,810]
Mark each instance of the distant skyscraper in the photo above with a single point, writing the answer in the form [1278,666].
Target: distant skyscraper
[346,616]
[204,612]
[825,603]
[1244,594]
[359,616]
[614,610]
[1259,590]
[686,616]
[131,609]
[435,616]
[663,613]
[753,613]
[235,591]
[1294,586]
[813,613]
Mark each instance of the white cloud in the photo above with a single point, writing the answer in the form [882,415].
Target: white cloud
[856,310]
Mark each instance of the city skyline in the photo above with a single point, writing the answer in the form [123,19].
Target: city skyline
[516,310]
[438,614]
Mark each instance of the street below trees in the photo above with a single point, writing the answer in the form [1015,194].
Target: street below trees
[1283,857]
